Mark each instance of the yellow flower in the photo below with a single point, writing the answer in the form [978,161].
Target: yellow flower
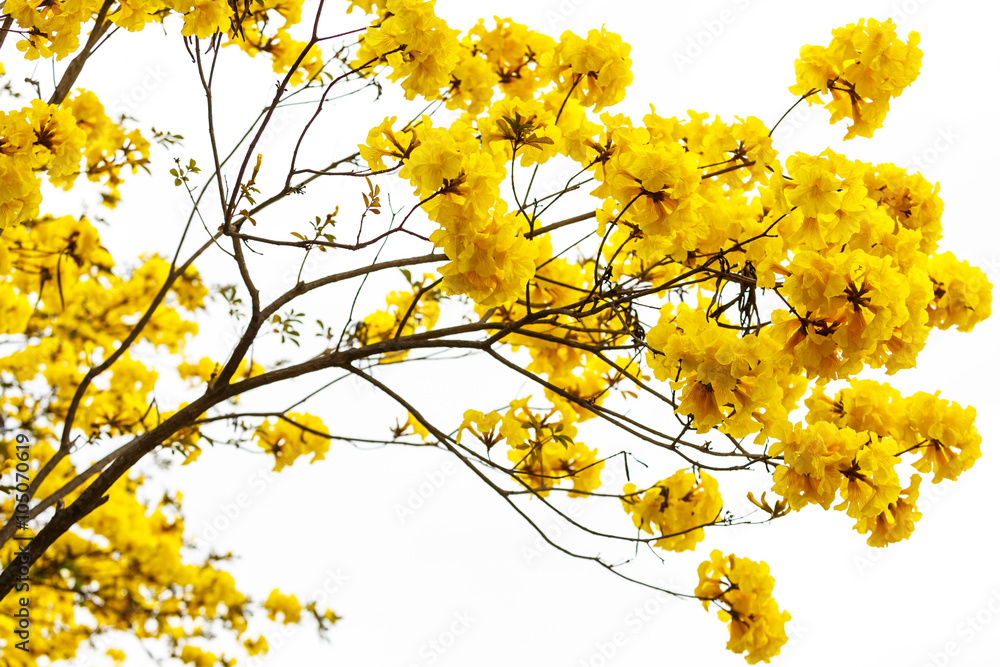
[286,605]
[203,18]
[864,66]
[524,128]
[418,47]
[743,587]
[597,69]
[814,458]
[962,293]
[288,440]
[943,434]
[384,142]
[433,163]
[256,646]
[895,523]
[677,508]
[491,262]
[514,56]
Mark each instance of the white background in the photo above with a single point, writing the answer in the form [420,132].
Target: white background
[462,580]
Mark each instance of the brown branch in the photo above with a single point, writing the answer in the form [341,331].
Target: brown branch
[562,223]
[5,28]
[74,405]
[76,66]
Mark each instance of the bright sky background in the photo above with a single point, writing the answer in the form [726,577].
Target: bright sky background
[462,571]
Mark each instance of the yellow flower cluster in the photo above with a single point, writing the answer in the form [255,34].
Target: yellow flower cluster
[199,657]
[855,246]
[53,27]
[288,439]
[855,440]
[941,433]
[726,381]
[492,261]
[543,447]
[418,47]
[55,139]
[286,605]
[598,66]
[256,646]
[823,459]
[896,522]
[109,147]
[50,28]
[910,201]
[249,33]
[58,287]
[128,560]
[389,323]
[510,56]
[38,137]
[430,60]
[851,306]
[677,507]
[743,588]
[458,181]
[202,18]
[962,293]
[384,142]
[676,189]
[864,66]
